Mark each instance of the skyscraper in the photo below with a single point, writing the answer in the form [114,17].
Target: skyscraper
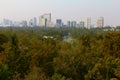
[24,23]
[71,23]
[88,23]
[68,23]
[100,22]
[45,20]
[6,22]
[59,22]
[33,22]
[81,24]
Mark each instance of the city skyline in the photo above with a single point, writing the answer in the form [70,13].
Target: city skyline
[45,21]
[77,10]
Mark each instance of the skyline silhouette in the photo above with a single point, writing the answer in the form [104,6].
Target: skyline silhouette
[64,9]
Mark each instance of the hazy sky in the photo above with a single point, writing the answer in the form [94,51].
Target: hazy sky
[65,9]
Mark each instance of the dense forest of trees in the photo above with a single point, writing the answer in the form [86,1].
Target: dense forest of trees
[64,54]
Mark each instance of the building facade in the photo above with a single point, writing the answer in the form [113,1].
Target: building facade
[7,23]
[82,24]
[72,24]
[33,22]
[45,20]
[100,22]
[59,23]
[24,23]
[88,23]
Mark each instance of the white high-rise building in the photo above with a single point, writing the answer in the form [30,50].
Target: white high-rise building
[88,23]
[100,22]
[45,20]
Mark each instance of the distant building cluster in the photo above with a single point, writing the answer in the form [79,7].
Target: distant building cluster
[45,21]
[87,24]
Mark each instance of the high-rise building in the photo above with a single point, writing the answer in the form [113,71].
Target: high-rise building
[24,23]
[68,23]
[45,20]
[71,23]
[33,22]
[100,22]
[59,23]
[81,24]
[7,23]
[88,23]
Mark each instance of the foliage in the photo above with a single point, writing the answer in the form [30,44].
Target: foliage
[25,54]
[4,73]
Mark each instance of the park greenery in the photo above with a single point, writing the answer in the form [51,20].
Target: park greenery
[59,54]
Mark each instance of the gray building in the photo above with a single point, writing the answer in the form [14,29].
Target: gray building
[82,24]
[24,23]
[71,23]
[59,23]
